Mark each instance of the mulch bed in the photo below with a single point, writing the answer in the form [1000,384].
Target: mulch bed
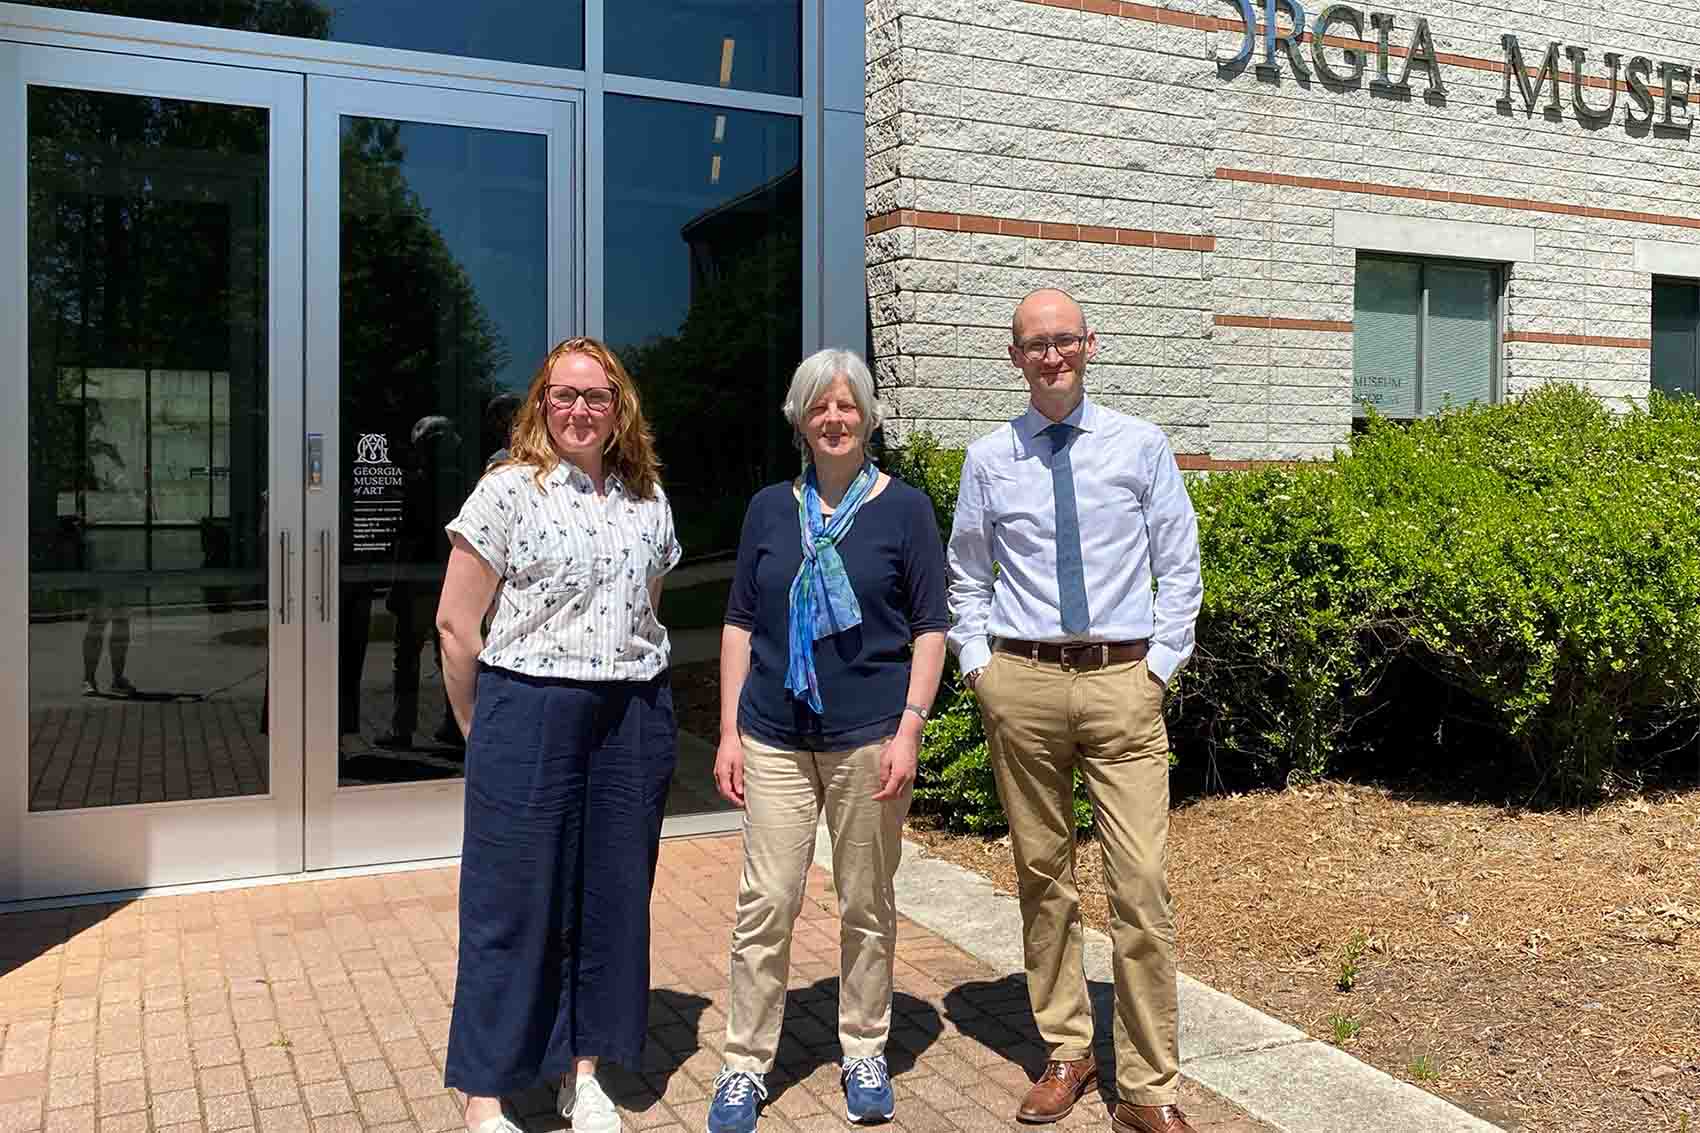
[1540,969]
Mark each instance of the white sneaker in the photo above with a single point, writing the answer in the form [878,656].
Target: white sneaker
[498,1124]
[587,1107]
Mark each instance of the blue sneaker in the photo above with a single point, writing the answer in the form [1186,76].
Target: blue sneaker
[867,1090]
[738,1095]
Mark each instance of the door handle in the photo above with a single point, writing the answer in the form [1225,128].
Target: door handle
[324,575]
[288,560]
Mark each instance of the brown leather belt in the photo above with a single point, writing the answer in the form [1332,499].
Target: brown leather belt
[1085,655]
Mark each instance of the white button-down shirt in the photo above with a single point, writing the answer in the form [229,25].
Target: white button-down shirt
[575,570]
[1136,526]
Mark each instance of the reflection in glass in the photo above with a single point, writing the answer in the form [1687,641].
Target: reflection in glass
[148,442]
[444,293]
[515,31]
[704,296]
[703,223]
[740,44]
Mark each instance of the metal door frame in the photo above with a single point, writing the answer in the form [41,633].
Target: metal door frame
[364,825]
[148,844]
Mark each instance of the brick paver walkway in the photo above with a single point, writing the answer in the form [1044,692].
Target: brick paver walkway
[324,1007]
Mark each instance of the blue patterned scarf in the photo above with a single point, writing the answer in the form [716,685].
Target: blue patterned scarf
[822,601]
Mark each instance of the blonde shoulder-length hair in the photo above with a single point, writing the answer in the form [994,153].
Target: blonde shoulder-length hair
[630,451]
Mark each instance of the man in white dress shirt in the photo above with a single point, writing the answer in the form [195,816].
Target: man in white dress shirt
[1065,518]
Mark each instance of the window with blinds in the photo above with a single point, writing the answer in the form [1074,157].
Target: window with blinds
[1425,335]
[1676,337]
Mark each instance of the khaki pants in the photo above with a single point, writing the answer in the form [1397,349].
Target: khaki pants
[784,795]
[1043,722]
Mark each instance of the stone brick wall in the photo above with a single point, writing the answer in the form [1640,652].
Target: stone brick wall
[1022,144]
[1097,146]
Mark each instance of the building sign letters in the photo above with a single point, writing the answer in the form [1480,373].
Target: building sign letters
[1665,108]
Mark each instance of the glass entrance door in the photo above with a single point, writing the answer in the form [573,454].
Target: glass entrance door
[150,242]
[442,255]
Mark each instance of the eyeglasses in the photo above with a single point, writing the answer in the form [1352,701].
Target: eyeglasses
[1068,345]
[597,400]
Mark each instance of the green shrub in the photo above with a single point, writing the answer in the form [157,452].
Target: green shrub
[1279,676]
[929,466]
[1543,559]
[1510,588]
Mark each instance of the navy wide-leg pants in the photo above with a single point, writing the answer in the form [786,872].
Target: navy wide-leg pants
[566,782]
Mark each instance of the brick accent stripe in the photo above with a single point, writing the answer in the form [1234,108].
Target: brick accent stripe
[1198,462]
[1518,203]
[1038,229]
[1271,322]
[1151,14]
[1578,339]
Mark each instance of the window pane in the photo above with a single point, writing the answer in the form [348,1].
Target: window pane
[1458,352]
[1676,322]
[148,432]
[516,31]
[742,44]
[1384,336]
[704,296]
[445,289]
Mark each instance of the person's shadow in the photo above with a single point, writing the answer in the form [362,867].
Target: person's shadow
[808,1039]
[997,1015]
[672,1016]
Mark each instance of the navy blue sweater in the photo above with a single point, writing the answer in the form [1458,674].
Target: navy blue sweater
[896,564]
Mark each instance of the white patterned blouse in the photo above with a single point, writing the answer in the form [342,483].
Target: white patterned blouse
[575,569]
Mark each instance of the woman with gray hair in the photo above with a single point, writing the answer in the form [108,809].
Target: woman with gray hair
[829,660]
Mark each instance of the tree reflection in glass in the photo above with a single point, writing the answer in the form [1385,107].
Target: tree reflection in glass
[444,271]
[704,222]
[147,235]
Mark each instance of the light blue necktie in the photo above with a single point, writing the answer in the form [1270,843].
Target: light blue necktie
[1071,572]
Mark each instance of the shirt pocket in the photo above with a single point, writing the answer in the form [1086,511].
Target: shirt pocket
[546,564]
[565,576]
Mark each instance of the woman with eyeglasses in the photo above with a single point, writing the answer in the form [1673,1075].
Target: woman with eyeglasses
[571,742]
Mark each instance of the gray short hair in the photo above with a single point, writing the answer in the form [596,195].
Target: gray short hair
[815,374]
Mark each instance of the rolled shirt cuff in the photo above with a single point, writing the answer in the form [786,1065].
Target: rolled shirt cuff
[1163,662]
[974,654]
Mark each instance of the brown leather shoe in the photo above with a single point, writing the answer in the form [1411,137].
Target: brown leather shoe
[1128,1118]
[1058,1088]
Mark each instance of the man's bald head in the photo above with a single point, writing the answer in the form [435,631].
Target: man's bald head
[1051,348]
[1049,305]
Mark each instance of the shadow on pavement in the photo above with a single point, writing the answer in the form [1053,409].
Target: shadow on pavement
[675,1018]
[997,1015]
[809,1038]
[25,936]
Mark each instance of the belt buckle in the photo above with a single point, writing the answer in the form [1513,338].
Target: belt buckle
[1083,650]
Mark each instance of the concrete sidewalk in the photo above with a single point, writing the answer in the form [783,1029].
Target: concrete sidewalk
[1276,1072]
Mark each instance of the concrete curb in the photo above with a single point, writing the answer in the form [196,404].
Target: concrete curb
[1274,1071]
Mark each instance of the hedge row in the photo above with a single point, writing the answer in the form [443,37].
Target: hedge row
[1507,591]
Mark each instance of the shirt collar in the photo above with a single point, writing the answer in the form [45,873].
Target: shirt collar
[567,472]
[1031,423]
